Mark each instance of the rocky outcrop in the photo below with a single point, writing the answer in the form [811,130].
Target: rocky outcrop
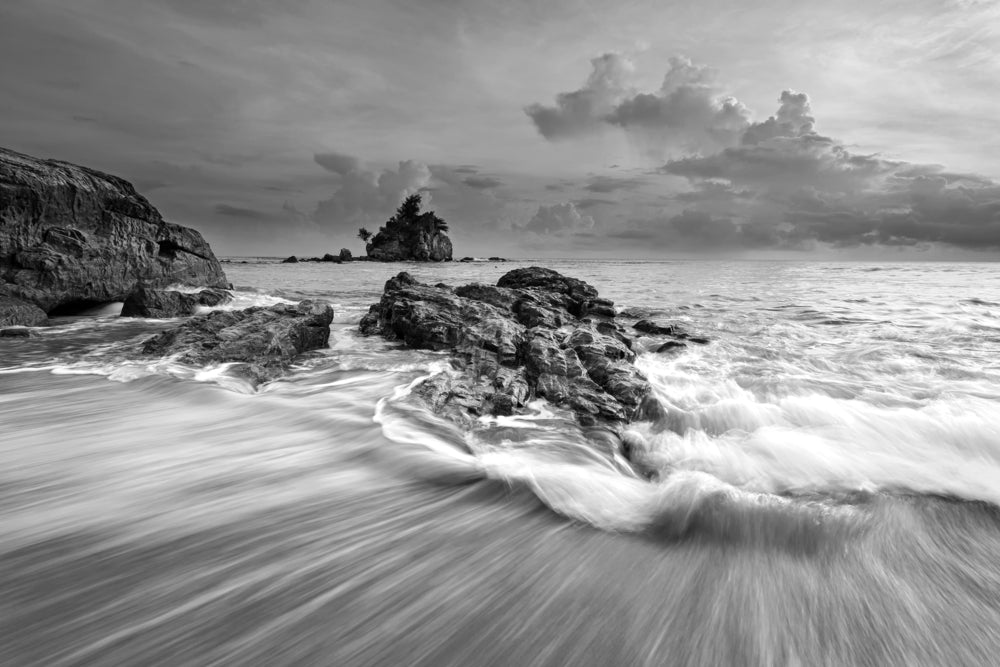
[411,236]
[71,237]
[535,333]
[264,341]
[345,255]
[149,302]
[16,312]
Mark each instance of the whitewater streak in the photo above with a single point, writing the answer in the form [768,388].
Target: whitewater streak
[822,491]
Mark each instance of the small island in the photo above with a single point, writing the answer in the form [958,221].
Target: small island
[409,236]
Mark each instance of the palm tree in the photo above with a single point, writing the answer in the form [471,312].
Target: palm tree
[364,235]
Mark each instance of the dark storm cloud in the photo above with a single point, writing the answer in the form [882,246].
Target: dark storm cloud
[482,182]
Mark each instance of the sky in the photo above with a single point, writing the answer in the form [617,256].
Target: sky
[853,129]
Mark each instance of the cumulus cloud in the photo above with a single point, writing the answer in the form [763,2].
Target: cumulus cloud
[688,111]
[584,110]
[559,219]
[824,192]
[367,196]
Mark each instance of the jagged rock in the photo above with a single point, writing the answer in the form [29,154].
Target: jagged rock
[290,260]
[72,237]
[148,302]
[513,341]
[17,312]
[650,327]
[411,236]
[263,340]
[345,255]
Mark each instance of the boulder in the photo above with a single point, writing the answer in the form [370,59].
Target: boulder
[329,258]
[290,260]
[650,327]
[73,237]
[514,341]
[345,255]
[264,341]
[149,302]
[17,312]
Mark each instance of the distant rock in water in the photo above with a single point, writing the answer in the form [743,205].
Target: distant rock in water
[534,334]
[17,312]
[148,302]
[265,340]
[73,237]
[411,236]
[290,260]
[345,255]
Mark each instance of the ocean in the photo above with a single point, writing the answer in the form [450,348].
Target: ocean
[827,489]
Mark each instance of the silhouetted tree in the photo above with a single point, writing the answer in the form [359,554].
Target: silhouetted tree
[410,208]
[364,235]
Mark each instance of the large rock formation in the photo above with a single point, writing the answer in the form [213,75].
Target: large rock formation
[71,237]
[263,340]
[411,236]
[535,333]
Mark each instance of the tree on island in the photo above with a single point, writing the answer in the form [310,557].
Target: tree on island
[364,235]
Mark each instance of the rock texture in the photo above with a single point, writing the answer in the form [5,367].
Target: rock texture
[17,312]
[263,340]
[411,236]
[71,237]
[535,333]
[149,302]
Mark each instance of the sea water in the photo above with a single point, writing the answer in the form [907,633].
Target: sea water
[825,491]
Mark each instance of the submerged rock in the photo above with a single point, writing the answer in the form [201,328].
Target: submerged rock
[533,334]
[73,237]
[264,340]
[149,302]
[17,312]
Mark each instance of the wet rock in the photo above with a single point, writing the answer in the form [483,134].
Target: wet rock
[17,312]
[264,341]
[650,327]
[514,341]
[148,302]
[670,345]
[16,332]
[73,237]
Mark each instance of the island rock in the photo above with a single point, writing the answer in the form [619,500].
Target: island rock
[411,236]
[73,237]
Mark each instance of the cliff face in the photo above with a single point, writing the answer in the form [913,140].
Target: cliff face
[71,236]
[411,236]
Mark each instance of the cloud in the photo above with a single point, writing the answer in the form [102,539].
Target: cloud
[688,111]
[606,184]
[364,196]
[584,110]
[337,163]
[482,182]
[559,219]
[783,169]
